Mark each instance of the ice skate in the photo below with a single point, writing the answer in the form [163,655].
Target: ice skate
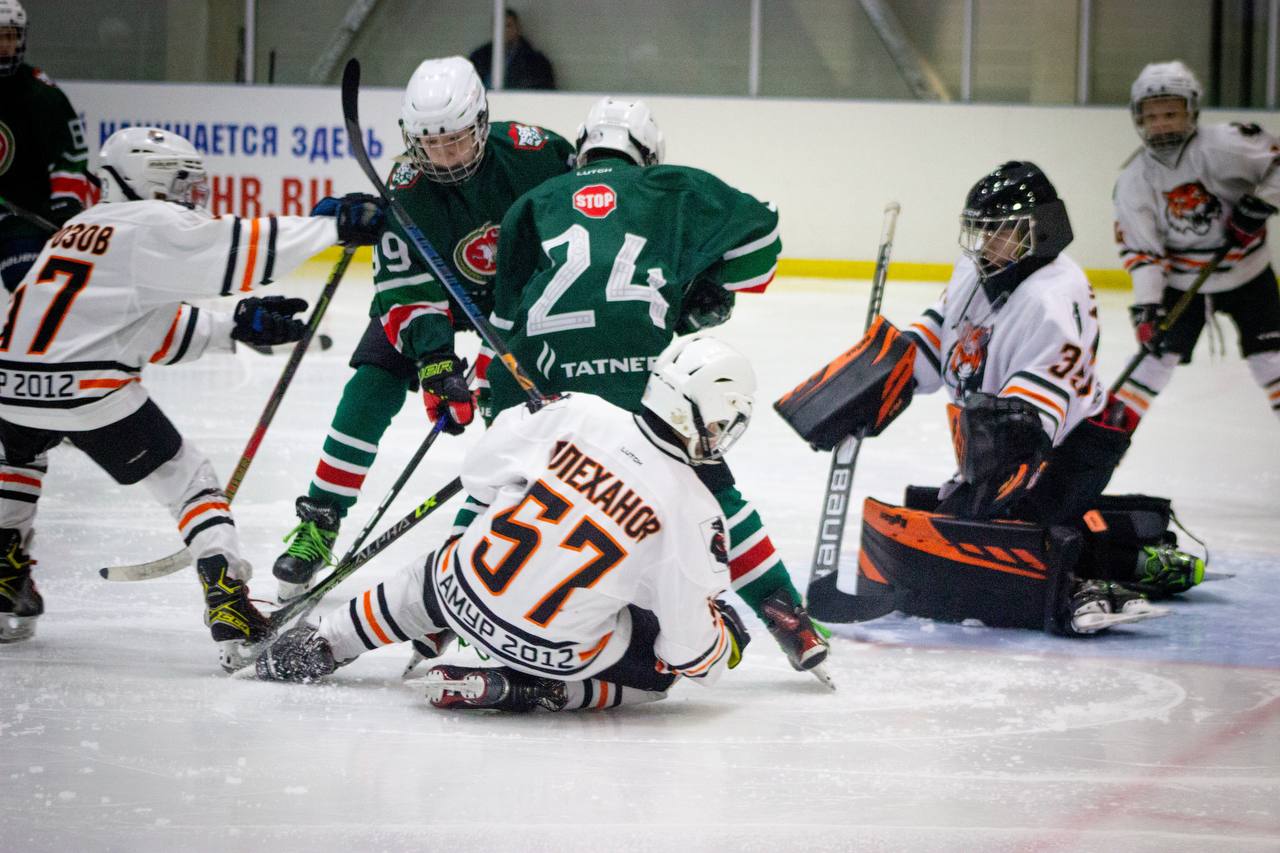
[236,625]
[20,602]
[310,547]
[803,640]
[499,689]
[300,654]
[1097,605]
[427,647]
[1163,570]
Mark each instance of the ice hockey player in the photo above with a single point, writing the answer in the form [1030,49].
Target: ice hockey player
[103,299]
[1187,193]
[600,268]
[591,570]
[457,177]
[1013,341]
[43,160]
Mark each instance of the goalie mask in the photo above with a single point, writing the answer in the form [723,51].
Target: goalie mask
[1165,103]
[444,118]
[13,36]
[702,389]
[143,163]
[626,127]
[1013,223]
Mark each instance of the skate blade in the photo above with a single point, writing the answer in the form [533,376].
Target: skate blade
[235,655]
[1094,622]
[820,672]
[438,687]
[15,629]
[287,593]
[408,673]
[1217,576]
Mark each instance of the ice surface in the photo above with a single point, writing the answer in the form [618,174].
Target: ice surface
[118,732]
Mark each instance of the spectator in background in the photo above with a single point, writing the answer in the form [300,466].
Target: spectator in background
[525,66]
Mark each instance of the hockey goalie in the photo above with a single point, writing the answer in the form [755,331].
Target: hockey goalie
[1022,535]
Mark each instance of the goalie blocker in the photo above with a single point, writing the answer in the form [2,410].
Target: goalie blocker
[859,392]
[1007,574]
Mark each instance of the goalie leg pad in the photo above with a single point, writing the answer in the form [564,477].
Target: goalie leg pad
[858,393]
[1006,574]
[1118,528]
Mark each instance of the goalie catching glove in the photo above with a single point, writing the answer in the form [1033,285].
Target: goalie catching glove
[443,377]
[268,320]
[858,393]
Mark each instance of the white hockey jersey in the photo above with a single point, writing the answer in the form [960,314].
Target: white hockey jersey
[585,516]
[103,299]
[1040,345]
[1170,220]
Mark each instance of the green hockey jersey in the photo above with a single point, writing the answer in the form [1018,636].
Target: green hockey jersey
[595,267]
[461,221]
[43,158]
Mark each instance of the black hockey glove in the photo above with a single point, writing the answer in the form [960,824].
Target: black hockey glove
[738,635]
[1248,220]
[269,320]
[1145,317]
[443,377]
[62,209]
[706,304]
[360,216]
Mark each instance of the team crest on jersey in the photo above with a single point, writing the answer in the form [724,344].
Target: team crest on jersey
[713,533]
[403,176]
[596,201]
[1190,208]
[476,255]
[7,148]
[969,357]
[527,137]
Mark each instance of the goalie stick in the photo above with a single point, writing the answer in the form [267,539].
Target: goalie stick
[172,563]
[822,592]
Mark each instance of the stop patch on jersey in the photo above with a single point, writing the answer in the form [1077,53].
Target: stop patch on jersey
[595,201]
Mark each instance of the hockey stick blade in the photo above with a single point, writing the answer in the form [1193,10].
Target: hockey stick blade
[181,559]
[828,604]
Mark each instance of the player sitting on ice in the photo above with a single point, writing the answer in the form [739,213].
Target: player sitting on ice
[591,574]
[103,299]
[1013,341]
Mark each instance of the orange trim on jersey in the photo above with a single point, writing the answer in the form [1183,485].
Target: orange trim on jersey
[448,549]
[255,230]
[929,336]
[716,654]
[596,649]
[90,384]
[1275,395]
[920,535]
[1130,397]
[168,339]
[868,569]
[371,619]
[202,508]
[1026,392]
[21,480]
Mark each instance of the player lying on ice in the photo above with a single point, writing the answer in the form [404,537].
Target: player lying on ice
[593,570]
[1022,536]
[103,299]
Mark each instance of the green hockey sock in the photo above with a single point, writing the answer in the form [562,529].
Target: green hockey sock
[756,569]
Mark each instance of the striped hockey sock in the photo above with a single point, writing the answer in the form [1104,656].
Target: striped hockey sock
[596,695]
[755,568]
[1265,367]
[372,397]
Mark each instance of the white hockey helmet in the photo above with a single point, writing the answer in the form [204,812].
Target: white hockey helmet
[444,117]
[1165,80]
[623,126]
[14,19]
[703,389]
[142,163]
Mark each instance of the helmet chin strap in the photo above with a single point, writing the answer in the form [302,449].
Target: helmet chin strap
[662,436]
[124,185]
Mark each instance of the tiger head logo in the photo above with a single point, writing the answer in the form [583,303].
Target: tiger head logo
[969,356]
[1190,208]
[476,255]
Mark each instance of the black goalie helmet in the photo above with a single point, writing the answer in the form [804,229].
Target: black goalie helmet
[1013,223]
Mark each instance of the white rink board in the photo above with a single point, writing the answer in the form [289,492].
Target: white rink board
[118,732]
[830,166]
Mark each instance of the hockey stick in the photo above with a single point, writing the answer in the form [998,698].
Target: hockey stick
[355,141]
[181,559]
[22,213]
[835,502]
[1167,321]
[305,603]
